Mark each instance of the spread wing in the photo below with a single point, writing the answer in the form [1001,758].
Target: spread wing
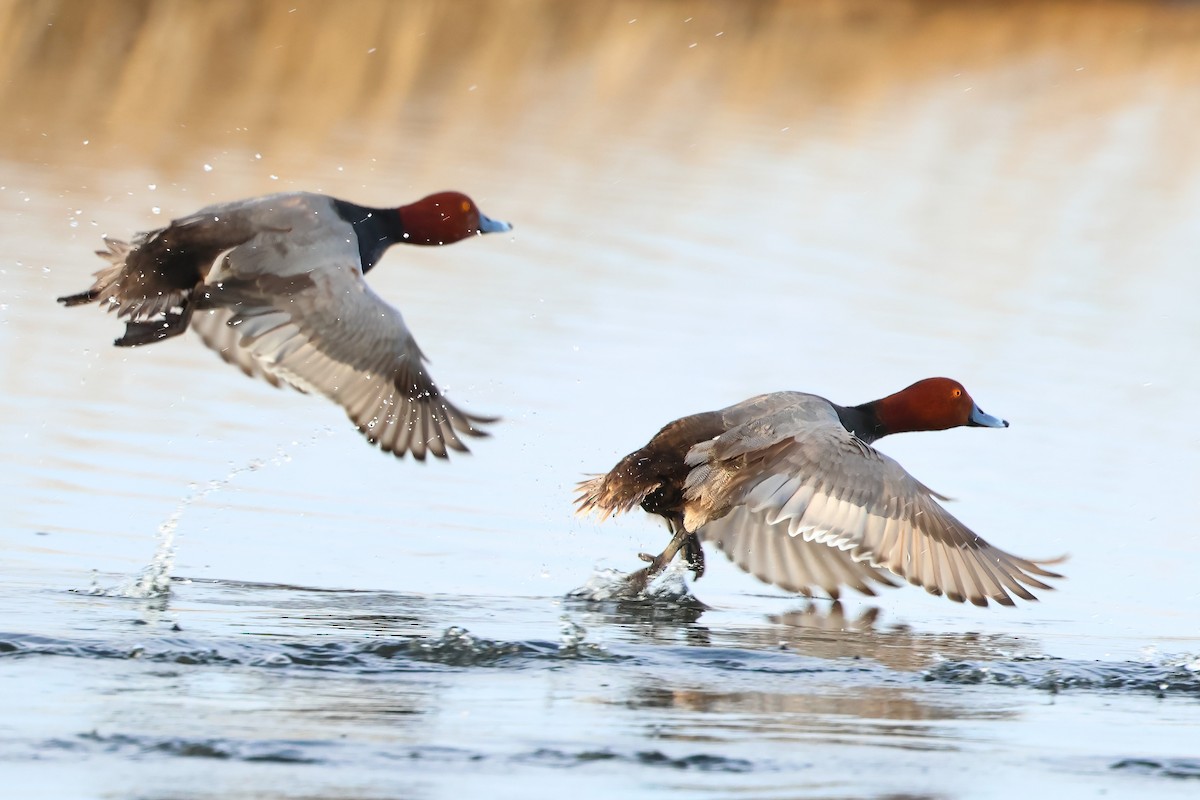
[789,562]
[326,331]
[215,331]
[768,491]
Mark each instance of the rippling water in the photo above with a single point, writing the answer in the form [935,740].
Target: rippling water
[711,200]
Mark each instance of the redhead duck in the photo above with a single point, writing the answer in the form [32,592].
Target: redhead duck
[275,286]
[788,486]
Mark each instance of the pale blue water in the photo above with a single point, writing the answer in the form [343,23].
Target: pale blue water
[342,624]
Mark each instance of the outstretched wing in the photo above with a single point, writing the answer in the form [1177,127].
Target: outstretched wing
[326,331]
[789,562]
[770,489]
[224,339]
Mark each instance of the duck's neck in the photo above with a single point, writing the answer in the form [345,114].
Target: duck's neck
[376,229]
[863,421]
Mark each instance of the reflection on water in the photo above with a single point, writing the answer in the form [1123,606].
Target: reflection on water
[711,200]
[827,634]
[823,707]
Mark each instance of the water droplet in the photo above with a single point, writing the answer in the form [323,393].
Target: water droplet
[155,210]
[208,167]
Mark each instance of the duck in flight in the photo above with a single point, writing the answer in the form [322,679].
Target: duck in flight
[276,286]
[789,487]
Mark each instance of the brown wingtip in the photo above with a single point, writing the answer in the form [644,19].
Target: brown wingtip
[1035,566]
[473,420]
[419,454]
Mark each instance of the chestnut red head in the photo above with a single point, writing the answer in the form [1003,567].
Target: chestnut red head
[444,218]
[934,404]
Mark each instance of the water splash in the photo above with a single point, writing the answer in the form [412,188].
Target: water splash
[612,584]
[155,578]
[573,642]
[458,647]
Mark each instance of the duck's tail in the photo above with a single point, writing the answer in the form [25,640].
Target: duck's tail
[107,282]
[152,314]
[79,299]
[617,492]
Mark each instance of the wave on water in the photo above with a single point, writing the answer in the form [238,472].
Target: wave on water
[277,752]
[455,647]
[1169,675]
[299,751]
[1160,768]
[703,762]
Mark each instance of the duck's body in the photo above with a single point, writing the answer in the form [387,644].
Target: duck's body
[789,487]
[276,286]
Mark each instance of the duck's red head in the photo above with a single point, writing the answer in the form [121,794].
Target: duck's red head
[444,218]
[934,404]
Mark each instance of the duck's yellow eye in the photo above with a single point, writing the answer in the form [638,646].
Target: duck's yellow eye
[466,206]
[957,393]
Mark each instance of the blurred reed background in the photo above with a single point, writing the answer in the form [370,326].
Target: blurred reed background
[144,79]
